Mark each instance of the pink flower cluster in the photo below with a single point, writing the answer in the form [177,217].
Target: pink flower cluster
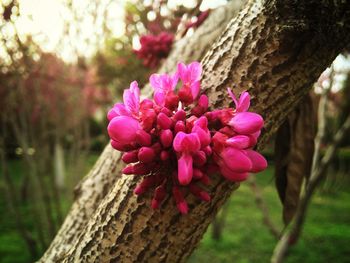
[154,48]
[177,144]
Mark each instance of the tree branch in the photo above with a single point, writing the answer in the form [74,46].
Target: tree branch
[263,208]
[276,50]
[318,173]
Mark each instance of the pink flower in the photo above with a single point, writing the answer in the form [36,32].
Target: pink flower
[154,48]
[164,85]
[240,141]
[155,133]
[123,129]
[190,77]
[246,122]
[131,104]
[243,103]
[131,99]
[200,127]
[185,145]
[259,163]
[235,160]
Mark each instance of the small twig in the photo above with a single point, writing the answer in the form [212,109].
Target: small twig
[260,203]
[293,232]
[322,121]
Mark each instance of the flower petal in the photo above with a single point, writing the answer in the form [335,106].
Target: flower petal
[239,141]
[185,169]
[246,122]
[233,176]
[131,98]
[195,69]
[244,102]
[123,129]
[155,82]
[195,88]
[259,162]
[236,160]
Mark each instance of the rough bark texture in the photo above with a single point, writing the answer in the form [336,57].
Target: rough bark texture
[275,49]
[94,187]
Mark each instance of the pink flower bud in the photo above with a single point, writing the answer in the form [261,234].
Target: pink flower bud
[146,154]
[246,122]
[235,160]
[180,127]
[180,115]
[118,146]
[186,142]
[166,111]
[198,192]
[185,169]
[233,176]
[205,179]
[140,169]
[239,141]
[208,151]
[180,201]
[199,158]
[157,147]
[164,155]
[197,174]
[130,157]
[146,183]
[158,197]
[171,101]
[128,169]
[258,161]
[123,129]
[143,138]
[203,102]
[164,121]
[185,95]
[166,138]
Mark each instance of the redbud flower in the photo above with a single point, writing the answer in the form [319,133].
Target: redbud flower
[175,144]
[186,145]
[190,77]
[154,48]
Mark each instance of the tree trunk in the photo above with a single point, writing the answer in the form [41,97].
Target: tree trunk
[275,50]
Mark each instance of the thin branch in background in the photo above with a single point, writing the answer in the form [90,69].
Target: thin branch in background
[260,203]
[318,173]
[322,121]
[219,222]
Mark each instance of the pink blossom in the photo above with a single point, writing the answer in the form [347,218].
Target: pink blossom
[123,129]
[186,145]
[131,99]
[190,77]
[243,103]
[154,48]
[164,85]
[246,122]
[179,146]
[259,163]
[131,104]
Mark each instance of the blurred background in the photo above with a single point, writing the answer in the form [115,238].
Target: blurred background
[63,63]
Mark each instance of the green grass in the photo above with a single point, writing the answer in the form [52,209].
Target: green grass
[326,237]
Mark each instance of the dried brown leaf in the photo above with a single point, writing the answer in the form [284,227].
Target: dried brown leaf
[294,149]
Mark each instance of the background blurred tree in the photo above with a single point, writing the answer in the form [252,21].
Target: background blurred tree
[149,31]
[46,106]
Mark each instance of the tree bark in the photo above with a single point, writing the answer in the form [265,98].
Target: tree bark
[275,50]
[94,187]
